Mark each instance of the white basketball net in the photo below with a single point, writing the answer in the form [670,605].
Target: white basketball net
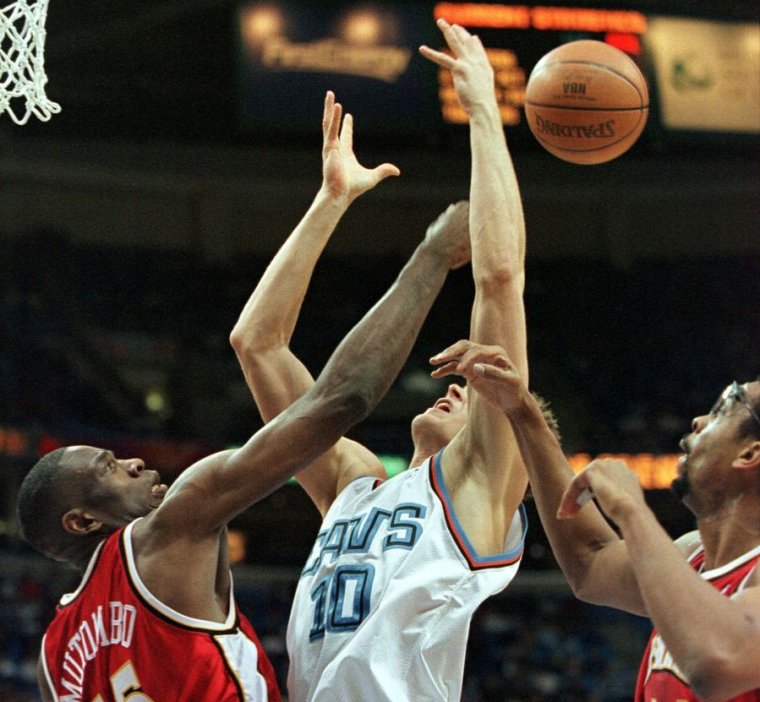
[22,61]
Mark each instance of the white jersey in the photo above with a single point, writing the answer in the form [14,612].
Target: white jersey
[383,607]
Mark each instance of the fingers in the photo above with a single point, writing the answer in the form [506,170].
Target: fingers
[494,356]
[347,132]
[472,360]
[457,38]
[443,60]
[453,34]
[577,494]
[451,353]
[385,170]
[331,122]
[449,368]
[327,111]
[492,370]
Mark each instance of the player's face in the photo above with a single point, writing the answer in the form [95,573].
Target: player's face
[116,490]
[442,421]
[714,442]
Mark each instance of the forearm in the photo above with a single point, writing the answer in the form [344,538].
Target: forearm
[372,354]
[270,314]
[497,224]
[497,233]
[577,542]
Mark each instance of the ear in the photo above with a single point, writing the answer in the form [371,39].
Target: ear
[80,523]
[749,457]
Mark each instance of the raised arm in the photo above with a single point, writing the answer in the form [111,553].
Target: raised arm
[354,380]
[481,465]
[261,337]
[497,227]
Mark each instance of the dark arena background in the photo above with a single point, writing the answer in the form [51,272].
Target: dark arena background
[135,223]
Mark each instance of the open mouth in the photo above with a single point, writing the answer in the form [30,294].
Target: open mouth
[159,490]
[443,405]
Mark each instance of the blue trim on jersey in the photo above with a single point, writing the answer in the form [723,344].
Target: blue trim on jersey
[459,534]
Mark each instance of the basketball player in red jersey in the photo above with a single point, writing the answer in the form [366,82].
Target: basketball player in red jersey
[154,618]
[701,592]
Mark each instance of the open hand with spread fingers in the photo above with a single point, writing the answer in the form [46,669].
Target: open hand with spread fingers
[469,65]
[343,176]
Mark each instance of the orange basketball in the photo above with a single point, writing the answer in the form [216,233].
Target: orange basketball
[586,102]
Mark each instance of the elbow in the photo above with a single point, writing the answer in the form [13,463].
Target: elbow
[346,406]
[247,342]
[583,589]
[241,338]
[711,675]
[505,275]
[583,576]
[238,341]
[356,405]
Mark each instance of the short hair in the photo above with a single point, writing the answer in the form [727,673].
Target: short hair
[548,415]
[551,421]
[40,504]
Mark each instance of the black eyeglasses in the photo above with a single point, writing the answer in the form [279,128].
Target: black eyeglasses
[734,392]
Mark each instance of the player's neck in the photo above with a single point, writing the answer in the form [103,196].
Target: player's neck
[424,450]
[418,457]
[729,537]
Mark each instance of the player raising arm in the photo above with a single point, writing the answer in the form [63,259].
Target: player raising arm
[454,515]
[262,335]
[154,617]
[701,592]
[481,466]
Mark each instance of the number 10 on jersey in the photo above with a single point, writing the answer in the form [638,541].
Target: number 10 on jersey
[341,600]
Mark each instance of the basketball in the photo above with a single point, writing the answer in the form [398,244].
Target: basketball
[586,102]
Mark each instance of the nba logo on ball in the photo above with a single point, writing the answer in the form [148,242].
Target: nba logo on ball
[586,102]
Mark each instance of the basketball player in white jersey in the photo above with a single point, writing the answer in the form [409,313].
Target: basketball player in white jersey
[702,591]
[384,603]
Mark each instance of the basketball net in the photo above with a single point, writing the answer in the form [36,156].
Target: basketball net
[22,61]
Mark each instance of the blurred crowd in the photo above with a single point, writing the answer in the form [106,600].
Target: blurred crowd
[139,341]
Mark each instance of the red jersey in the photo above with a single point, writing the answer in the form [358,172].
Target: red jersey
[112,640]
[660,680]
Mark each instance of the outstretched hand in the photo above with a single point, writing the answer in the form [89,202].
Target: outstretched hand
[342,174]
[469,65]
[487,370]
[450,233]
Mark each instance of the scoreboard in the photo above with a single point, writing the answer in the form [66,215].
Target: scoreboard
[702,73]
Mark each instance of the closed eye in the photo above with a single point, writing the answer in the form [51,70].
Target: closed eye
[107,466]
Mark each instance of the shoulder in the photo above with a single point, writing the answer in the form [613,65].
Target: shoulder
[371,489]
[688,543]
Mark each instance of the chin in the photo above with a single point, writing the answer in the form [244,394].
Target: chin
[680,486]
